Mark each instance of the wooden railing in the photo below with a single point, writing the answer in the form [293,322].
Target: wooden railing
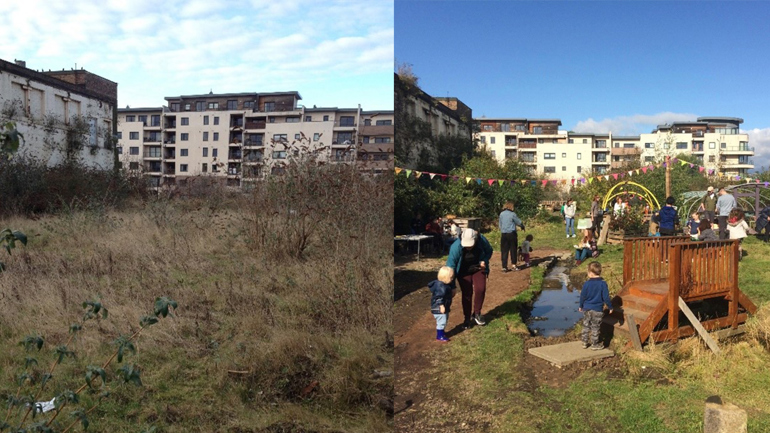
[647,258]
[703,269]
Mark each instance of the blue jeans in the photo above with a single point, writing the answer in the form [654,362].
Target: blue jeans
[570,225]
[441,320]
[582,254]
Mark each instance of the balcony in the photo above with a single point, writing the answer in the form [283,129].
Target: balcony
[510,143]
[600,161]
[528,159]
[170,141]
[169,155]
[152,139]
[151,155]
[234,156]
[738,164]
[343,126]
[256,124]
[738,150]
[153,168]
[626,151]
[236,122]
[376,130]
[524,145]
[253,143]
[697,147]
[170,125]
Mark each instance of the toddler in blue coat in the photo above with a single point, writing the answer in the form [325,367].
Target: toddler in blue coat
[441,300]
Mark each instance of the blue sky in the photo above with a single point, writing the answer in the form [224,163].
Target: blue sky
[334,52]
[597,65]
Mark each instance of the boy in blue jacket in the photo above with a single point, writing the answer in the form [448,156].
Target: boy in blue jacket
[593,297]
[441,300]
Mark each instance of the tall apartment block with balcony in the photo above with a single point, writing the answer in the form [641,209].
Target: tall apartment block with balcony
[241,137]
[714,142]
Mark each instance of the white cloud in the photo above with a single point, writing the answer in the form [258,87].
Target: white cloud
[631,125]
[759,139]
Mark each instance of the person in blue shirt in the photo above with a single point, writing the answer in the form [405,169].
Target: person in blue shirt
[593,297]
[692,225]
[669,218]
[441,300]
[469,257]
[509,240]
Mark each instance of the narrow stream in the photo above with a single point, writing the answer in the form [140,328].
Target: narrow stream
[555,310]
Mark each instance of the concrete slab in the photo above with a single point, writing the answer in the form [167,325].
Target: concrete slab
[567,353]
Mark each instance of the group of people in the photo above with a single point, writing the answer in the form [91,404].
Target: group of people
[443,232]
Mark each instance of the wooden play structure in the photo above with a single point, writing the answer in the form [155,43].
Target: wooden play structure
[658,271]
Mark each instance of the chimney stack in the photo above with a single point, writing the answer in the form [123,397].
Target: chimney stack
[21,63]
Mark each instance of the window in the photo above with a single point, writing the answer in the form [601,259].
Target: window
[308,118]
[390,122]
[279,137]
[316,136]
[491,140]
[131,118]
[712,145]
[213,106]
[382,139]
[549,169]
[186,107]
[214,168]
[564,155]
[549,156]
[216,120]
[681,145]
[367,122]
[483,139]
[296,136]
[183,152]
[292,120]
[216,136]
[270,119]
[563,168]
[133,165]
[585,140]
[269,106]
[579,156]
[326,118]
[628,145]
[205,151]
[712,158]
[205,136]
[183,168]
[120,135]
[649,145]
[134,150]
[493,154]
[184,136]
[152,152]
[155,120]
[723,145]
[505,127]
[249,105]
[539,130]
[571,141]
[347,121]
[541,140]
[232,104]
[279,154]
[649,158]
[174,106]
[366,139]
[200,106]
[185,121]
[120,150]
[204,167]
[579,169]
[205,120]
[214,152]
[520,128]
[133,135]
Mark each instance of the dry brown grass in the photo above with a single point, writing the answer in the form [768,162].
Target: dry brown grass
[281,320]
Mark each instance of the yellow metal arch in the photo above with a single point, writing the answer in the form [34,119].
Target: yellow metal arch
[647,195]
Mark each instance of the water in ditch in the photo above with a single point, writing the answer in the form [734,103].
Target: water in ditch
[555,311]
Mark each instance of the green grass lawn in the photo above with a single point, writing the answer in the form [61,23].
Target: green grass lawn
[496,381]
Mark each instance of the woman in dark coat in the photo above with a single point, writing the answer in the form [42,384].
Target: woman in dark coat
[763,223]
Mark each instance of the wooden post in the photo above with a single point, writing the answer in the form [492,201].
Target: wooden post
[634,332]
[674,270]
[734,292]
[668,176]
[698,327]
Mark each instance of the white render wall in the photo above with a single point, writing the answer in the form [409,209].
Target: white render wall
[43,114]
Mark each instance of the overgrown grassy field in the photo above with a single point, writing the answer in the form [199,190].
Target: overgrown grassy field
[284,298]
[661,390]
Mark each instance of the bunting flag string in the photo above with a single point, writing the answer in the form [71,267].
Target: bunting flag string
[581,180]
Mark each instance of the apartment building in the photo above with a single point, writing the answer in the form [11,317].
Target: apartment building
[66,115]
[436,117]
[239,138]
[377,136]
[714,142]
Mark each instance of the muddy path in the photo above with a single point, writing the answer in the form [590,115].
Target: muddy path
[417,401]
